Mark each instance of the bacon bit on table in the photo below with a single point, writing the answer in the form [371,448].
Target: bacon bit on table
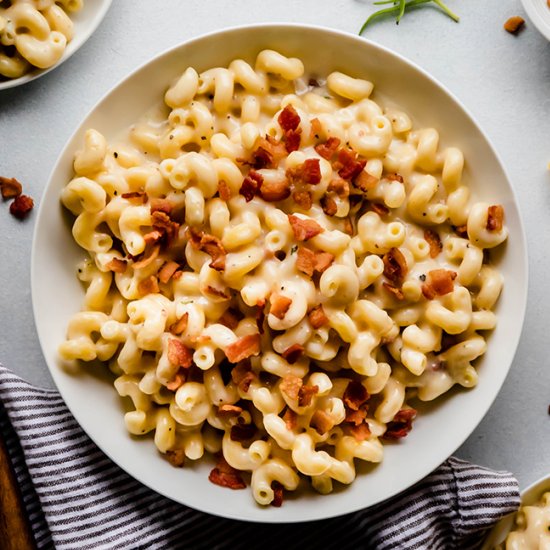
[401,424]
[242,375]
[21,206]
[438,283]
[321,422]
[167,270]
[148,286]
[243,348]
[273,191]
[242,432]
[434,241]
[394,290]
[231,318]
[278,494]
[306,394]
[279,305]
[514,24]
[366,181]
[304,229]
[10,188]
[291,385]
[161,205]
[148,257]
[317,317]
[355,395]
[360,431]
[180,325]
[224,191]
[211,245]
[303,199]
[178,380]
[290,418]
[288,118]
[226,476]
[328,204]
[176,457]
[340,187]
[141,195]
[395,266]
[179,354]
[116,265]
[251,185]
[328,148]
[293,353]
[229,411]
[495,217]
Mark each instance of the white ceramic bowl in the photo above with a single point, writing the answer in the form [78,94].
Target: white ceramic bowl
[539,13]
[529,496]
[57,294]
[85,22]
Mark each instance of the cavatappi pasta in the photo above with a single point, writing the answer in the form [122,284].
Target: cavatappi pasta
[34,33]
[276,266]
[531,530]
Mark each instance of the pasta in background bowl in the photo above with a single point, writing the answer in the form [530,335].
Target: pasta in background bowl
[38,35]
[53,265]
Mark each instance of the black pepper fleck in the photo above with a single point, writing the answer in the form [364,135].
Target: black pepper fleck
[115,154]
[422,277]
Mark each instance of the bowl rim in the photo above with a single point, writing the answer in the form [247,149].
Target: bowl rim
[82,38]
[282,26]
[537,16]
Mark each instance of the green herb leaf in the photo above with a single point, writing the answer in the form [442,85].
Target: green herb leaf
[400,7]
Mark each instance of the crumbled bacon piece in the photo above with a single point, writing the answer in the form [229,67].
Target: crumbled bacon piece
[290,418]
[394,290]
[217,292]
[355,395]
[260,316]
[291,385]
[269,153]
[292,140]
[279,305]
[348,226]
[434,241]
[243,348]
[321,422]
[360,431]
[303,199]
[167,270]
[327,149]
[178,381]
[317,317]
[242,375]
[293,353]
[180,325]
[340,187]
[231,318]
[309,172]
[229,411]
[356,417]
[461,231]
[10,188]
[380,209]
[305,261]
[117,265]
[273,191]
[242,432]
[176,457]
[209,244]
[350,166]
[141,195]
[161,205]
[251,185]
[438,283]
[514,24]
[495,217]
[148,257]
[152,237]
[401,424]
[328,204]
[323,260]
[394,177]
[224,191]
[366,181]
[278,495]
[306,394]
[288,118]
[162,222]
[395,266]
[304,229]
[226,476]
[315,128]
[148,286]
[21,206]
[179,354]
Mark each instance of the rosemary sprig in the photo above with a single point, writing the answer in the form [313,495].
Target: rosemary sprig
[399,7]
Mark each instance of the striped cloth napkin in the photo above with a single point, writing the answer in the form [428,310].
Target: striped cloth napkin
[76,498]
